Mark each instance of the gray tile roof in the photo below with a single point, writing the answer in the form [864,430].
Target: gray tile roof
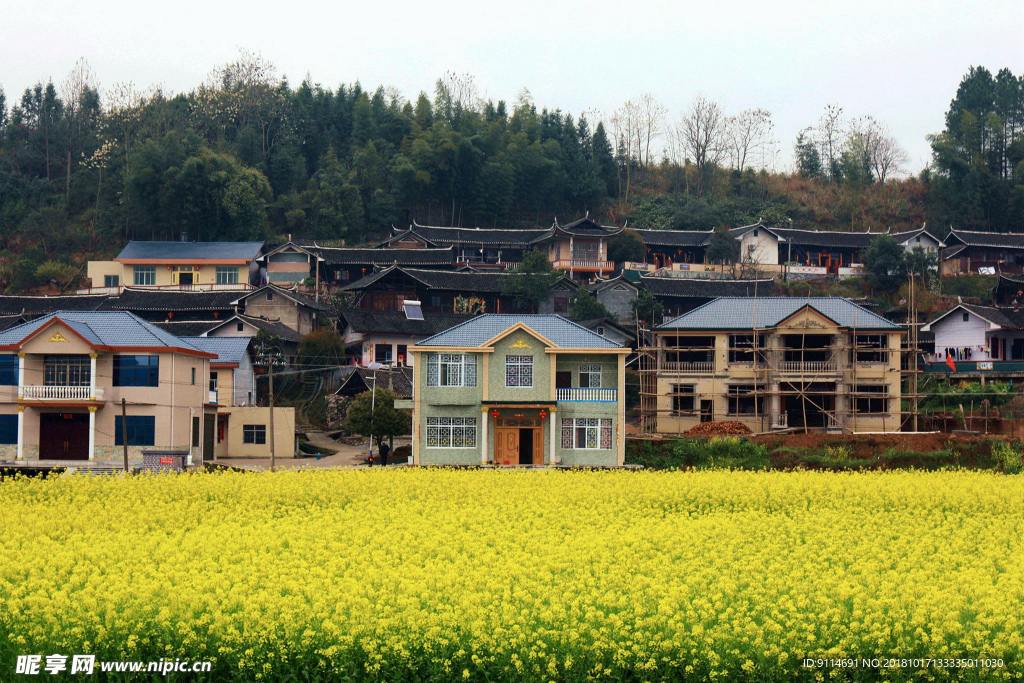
[446,236]
[272,326]
[228,251]
[357,380]
[706,288]
[36,305]
[675,238]
[187,328]
[828,238]
[1003,317]
[588,228]
[228,349]
[1012,240]
[333,256]
[164,300]
[738,313]
[395,322]
[298,298]
[458,281]
[102,328]
[555,328]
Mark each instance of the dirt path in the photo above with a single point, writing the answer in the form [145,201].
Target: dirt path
[346,456]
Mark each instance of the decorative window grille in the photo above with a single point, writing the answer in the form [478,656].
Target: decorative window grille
[451,432]
[590,377]
[451,370]
[518,371]
[587,433]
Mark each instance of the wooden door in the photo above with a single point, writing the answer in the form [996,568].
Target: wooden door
[208,426]
[506,447]
[63,436]
[538,446]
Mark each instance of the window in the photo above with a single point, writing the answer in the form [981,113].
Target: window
[270,296]
[870,399]
[141,430]
[213,381]
[588,433]
[255,434]
[451,370]
[193,376]
[8,429]
[918,239]
[590,377]
[145,275]
[66,371]
[195,432]
[518,371]
[743,402]
[137,371]
[403,353]
[600,331]
[9,370]
[227,275]
[382,353]
[966,317]
[435,300]
[584,251]
[451,432]
[683,398]
[741,348]
[755,233]
[871,348]
[240,327]
[561,304]
[111,280]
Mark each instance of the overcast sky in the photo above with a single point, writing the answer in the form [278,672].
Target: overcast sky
[896,60]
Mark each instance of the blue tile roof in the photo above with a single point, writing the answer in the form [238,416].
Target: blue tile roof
[554,328]
[228,349]
[738,313]
[102,328]
[191,250]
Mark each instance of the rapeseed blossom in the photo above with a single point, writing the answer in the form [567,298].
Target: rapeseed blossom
[540,575]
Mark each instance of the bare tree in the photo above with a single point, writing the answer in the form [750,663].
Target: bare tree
[749,132]
[885,154]
[455,94]
[830,137]
[626,129]
[701,133]
[651,116]
[78,85]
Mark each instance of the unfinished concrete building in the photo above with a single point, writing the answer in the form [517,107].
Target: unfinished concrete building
[774,363]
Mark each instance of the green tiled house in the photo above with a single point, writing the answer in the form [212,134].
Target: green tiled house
[518,390]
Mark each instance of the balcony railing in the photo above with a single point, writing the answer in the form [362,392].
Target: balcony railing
[808,367]
[609,395]
[580,264]
[688,367]
[59,392]
[199,287]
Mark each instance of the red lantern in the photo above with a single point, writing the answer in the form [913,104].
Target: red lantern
[543,415]
[495,413]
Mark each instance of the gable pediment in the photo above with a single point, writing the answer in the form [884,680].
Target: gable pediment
[807,319]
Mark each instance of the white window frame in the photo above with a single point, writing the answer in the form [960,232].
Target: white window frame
[590,371]
[520,363]
[599,427]
[149,271]
[227,275]
[443,431]
[451,370]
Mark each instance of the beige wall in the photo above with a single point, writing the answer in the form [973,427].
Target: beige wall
[206,274]
[96,270]
[232,445]
[299,318]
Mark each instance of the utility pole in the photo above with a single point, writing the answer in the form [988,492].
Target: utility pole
[124,431]
[271,400]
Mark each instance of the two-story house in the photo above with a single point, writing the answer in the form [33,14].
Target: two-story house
[63,378]
[774,363]
[179,265]
[518,390]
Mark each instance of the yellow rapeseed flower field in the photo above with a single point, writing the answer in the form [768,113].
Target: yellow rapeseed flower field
[425,574]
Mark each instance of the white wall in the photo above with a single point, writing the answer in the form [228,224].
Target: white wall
[766,246]
[928,243]
[952,331]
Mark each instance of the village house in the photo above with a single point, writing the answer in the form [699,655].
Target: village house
[436,290]
[977,341]
[984,253]
[679,295]
[292,309]
[65,375]
[384,337]
[774,363]
[178,265]
[518,390]
[617,295]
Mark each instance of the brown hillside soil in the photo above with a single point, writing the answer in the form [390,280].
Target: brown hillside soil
[723,428]
[868,446]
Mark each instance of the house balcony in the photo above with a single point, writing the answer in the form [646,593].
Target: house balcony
[211,397]
[594,395]
[58,392]
[687,367]
[808,367]
[584,266]
[199,287]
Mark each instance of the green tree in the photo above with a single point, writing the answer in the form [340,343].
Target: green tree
[324,347]
[808,160]
[647,308]
[723,247]
[626,246]
[885,263]
[584,306]
[533,281]
[383,421]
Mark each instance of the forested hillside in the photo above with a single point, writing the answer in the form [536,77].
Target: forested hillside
[247,155]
